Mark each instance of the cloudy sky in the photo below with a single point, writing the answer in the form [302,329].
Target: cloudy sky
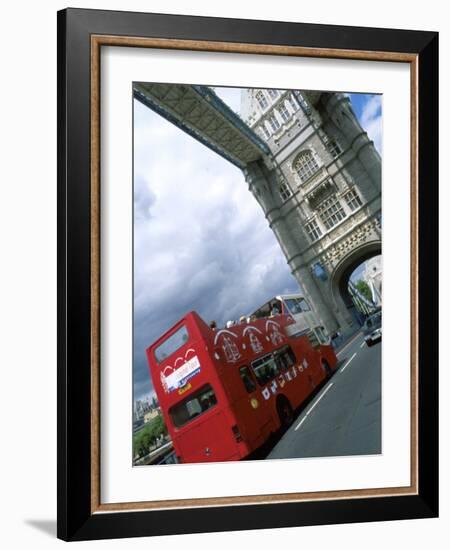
[201,241]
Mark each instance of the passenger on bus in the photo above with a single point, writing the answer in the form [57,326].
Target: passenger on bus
[275,310]
[204,403]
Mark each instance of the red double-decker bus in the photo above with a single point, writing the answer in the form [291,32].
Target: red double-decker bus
[224,392]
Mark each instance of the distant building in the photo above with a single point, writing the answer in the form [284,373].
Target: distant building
[150,415]
[139,409]
[373,275]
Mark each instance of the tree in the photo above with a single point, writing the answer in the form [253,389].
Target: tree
[364,289]
[145,438]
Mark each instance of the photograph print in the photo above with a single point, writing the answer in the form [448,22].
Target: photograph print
[257,291]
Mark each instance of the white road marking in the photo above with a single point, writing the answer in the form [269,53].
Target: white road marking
[348,362]
[312,407]
[324,391]
[348,344]
[321,395]
[300,423]
[363,344]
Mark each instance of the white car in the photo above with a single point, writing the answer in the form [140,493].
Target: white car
[372,329]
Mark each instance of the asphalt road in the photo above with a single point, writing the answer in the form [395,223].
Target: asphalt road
[344,418]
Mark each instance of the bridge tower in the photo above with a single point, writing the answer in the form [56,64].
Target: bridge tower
[320,191]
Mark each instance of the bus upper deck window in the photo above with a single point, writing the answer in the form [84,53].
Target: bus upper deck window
[304,305]
[172,344]
[293,305]
[297,305]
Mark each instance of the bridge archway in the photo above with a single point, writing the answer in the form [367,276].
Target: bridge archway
[342,300]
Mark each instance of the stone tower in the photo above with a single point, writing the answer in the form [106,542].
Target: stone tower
[321,195]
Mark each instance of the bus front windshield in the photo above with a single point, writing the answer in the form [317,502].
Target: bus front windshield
[297,305]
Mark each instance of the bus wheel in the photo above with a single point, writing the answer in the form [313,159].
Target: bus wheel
[285,413]
[327,368]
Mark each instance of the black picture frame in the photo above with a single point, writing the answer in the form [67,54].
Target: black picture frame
[76,519]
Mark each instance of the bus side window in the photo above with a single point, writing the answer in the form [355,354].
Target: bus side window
[247,379]
[285,358]
[280,361]
[291,357]
[265,369]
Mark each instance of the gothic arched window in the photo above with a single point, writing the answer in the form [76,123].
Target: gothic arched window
[274,122]
[285,191]
[264,131]
[305,165]
[284,112]
[262,100]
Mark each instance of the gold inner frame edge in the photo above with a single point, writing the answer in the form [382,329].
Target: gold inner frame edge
[97,41]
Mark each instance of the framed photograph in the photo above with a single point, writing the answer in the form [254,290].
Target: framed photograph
[247,242]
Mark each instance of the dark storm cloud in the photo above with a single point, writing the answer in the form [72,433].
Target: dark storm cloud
[143,200]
